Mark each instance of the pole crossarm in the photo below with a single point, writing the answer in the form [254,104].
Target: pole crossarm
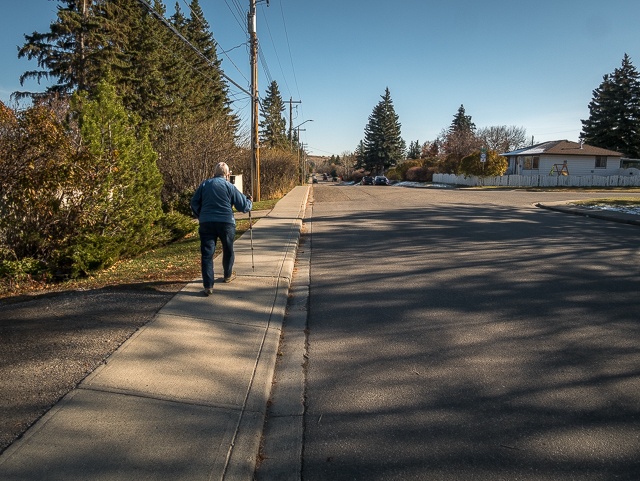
[291,102]
[190,45]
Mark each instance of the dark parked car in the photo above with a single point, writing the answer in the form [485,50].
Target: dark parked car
[381,180]
[367,180]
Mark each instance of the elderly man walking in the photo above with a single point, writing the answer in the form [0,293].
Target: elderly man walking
[213,205]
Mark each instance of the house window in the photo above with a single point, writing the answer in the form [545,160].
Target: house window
[531,163]
[601,162]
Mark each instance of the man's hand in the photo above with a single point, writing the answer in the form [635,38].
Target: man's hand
[248,196]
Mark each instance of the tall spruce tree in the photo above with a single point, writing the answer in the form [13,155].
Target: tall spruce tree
[614,112]
[209,92]
[382,141]
[66,53]
[273,127]
[462,122]
[460,139]
[154,73]
[146,88]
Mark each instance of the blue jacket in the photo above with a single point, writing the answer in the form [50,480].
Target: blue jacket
[214,199]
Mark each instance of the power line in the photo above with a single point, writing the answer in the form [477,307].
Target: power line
[234,16]
[289,46]
[215,41]
[264,64]
[200,54]
[240,11]
[189,65]
[320,150]
[276,52]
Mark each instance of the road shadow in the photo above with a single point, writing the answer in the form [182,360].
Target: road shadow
[453,341]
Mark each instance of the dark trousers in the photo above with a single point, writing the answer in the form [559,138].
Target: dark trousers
[210,232]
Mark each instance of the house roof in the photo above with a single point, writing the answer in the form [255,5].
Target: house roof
[563,147]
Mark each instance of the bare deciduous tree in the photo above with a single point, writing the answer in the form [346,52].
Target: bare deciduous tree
[460,143]
[188,154]
[502,138]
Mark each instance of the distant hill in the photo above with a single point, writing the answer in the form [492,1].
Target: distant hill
[318,158]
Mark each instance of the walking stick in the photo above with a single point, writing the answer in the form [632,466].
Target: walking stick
[253,267]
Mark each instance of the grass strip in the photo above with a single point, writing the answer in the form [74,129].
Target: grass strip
[176,262]
[263,204]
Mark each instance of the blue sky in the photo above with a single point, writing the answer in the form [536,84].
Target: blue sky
[533,64]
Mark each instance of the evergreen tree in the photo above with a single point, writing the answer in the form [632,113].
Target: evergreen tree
[359,155]
[273,127]
[382,142]
[209,91]
[124,198]
[614,112]
[295,142]
[462,122]
[67,51]
[147,88]
[415,151]
[460,139]
[155,74]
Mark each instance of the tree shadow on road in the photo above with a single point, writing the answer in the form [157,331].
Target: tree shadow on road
[459,342]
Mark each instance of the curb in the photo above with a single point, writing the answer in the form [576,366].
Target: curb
[600,214]
[245,450]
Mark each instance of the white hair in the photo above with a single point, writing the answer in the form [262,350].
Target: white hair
[221,170]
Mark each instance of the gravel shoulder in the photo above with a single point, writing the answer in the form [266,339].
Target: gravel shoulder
[51,342]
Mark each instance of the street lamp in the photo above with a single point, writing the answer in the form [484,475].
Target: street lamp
[310,120]
[303,174]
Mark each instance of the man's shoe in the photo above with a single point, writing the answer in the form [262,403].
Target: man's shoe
[230,278]
[208,292]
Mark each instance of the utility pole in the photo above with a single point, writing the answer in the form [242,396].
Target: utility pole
[291,102]
[302,181]
[255,145]
[301,145]
[255,140]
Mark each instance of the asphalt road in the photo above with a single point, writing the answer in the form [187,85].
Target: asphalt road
[468,335]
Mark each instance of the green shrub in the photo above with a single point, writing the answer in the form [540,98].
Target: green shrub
[180,203]
[405,166]
[92,252]
[419,174]
[88,252]
[174,227]
[393,174]
[357,175]
[22,269]
[494,165]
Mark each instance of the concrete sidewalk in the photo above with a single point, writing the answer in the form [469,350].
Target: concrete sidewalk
[185,397]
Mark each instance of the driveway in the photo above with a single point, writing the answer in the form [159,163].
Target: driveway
[466,334]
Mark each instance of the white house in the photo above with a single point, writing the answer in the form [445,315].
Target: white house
[562,157]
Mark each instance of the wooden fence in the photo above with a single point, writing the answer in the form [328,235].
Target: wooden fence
[541,180]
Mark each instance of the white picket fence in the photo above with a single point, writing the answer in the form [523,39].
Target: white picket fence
[541,180]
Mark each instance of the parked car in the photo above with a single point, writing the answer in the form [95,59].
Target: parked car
[380,180]
[367,180]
